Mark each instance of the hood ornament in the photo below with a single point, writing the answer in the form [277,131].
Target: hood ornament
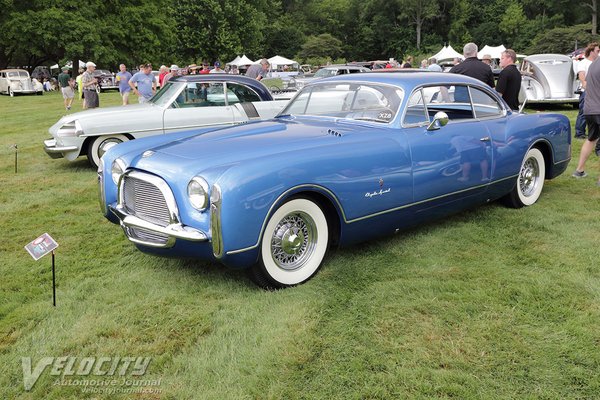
[147,153]
[380,182]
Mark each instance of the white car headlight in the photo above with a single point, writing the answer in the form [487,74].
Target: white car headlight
[70,129]
[117,169]
[198,193]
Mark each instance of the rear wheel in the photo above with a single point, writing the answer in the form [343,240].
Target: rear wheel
[293,245]
[101,145]
[530,181]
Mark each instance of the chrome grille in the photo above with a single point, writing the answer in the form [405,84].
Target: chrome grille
[147,236]
[145,201]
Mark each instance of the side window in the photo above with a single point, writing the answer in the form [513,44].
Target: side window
[201,94]
[485,106]
[454,100]
[341,72]
[415,109]
[237,93]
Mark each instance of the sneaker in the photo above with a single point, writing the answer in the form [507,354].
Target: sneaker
[579,174]
[68,108]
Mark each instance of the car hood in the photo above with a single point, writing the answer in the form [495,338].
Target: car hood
[259,140]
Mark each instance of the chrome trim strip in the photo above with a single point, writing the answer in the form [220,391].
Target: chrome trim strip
[231,252]
[215,221]
[176,230]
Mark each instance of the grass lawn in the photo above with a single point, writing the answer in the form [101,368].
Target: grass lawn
[491,303]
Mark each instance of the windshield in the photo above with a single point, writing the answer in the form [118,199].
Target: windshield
[18,74]
[164,96]
[325,72]
[357,101]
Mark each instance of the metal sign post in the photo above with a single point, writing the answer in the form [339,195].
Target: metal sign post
[14,146]
[38,248]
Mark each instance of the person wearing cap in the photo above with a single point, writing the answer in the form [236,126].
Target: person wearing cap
[217,69]
[193,69]
[258,71]
[146,85]
[487,59]
[90,84]
[174,72]
[205,69]
[65,83]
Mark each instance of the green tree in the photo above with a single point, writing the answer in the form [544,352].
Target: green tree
[417,12]
[324,45]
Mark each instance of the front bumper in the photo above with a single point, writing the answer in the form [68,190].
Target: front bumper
[174,231]
[57,152]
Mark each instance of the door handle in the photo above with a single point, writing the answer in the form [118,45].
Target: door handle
[485,139]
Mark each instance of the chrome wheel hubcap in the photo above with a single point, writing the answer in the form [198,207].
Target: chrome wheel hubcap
[107,145]
[528,180]
[293,241]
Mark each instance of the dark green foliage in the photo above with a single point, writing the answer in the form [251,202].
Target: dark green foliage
[43,32]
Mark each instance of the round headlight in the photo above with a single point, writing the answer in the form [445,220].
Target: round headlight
[198,193]
[117,169]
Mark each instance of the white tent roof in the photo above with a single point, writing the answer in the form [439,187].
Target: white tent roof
[69,65]
[239,61]
[447,53]
[278,60]
[234,61]
[495,52]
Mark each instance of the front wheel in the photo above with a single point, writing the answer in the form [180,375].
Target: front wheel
[293,245]
[530,181]
[101,145]
[11,93]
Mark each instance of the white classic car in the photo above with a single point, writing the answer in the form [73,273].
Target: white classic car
[184,103]
[548,78]
[13,81]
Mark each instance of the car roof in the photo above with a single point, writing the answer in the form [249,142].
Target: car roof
[407,80]
[13,70]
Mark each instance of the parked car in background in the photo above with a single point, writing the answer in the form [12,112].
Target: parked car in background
[187,102]
[548,78]
[106,80]
[350,158]
[299,82]
[17,81]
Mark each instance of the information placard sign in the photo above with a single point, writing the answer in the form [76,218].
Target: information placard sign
[41,246]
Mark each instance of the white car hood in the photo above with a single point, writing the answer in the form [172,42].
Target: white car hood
[136,117]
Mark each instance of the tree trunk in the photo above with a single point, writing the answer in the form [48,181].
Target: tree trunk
[594,16]
[419,25]
[75,68]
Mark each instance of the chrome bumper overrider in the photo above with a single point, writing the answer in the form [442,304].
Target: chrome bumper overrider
[56,152]
[177,231]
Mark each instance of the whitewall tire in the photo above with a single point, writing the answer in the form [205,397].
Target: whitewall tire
[100,145]
[293,245]
[530,181]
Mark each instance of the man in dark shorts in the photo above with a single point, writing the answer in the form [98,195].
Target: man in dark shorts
[509,81]
[591,111]
[90,84]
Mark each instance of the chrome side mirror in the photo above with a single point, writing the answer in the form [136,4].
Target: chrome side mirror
[439,119]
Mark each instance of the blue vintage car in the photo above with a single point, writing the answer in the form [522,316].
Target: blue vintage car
[350,158]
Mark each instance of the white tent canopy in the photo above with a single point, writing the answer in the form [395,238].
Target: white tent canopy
[447,53]
[69,65]
[278,60]
[494,52]
[239,61]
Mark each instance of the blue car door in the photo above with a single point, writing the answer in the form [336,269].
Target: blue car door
[452,162]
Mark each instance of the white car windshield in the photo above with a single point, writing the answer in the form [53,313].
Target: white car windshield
[18,74]
[165,95]
[325,73]
[357,101]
